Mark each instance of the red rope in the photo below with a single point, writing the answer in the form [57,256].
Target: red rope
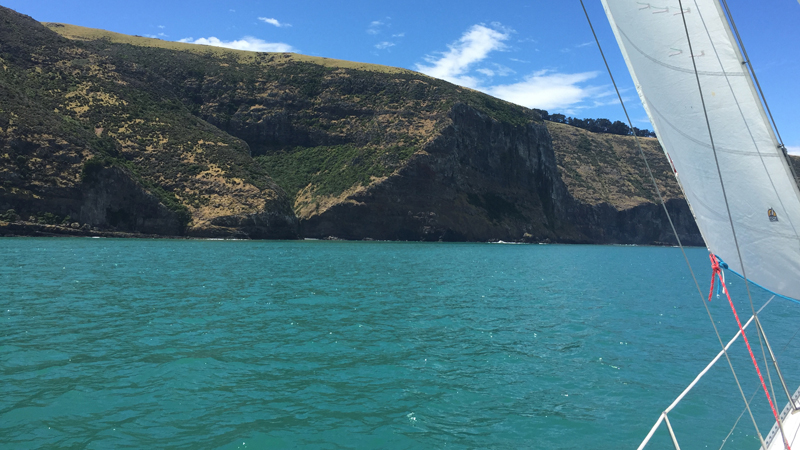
[717,272]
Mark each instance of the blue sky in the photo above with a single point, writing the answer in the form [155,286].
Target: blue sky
[535,53]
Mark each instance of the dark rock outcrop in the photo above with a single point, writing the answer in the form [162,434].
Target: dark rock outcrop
[111,199]
[479,180]
[484,180]
[645,224]
[133,135]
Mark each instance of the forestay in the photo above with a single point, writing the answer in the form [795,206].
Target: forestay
[763,198]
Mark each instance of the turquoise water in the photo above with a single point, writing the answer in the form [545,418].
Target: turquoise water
[239,344]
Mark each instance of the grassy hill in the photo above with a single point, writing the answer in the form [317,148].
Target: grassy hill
[607,168]
[126,133]
[321,127]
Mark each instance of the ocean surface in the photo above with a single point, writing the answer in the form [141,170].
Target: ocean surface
[335,345]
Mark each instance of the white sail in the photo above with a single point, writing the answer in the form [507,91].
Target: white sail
[763,198]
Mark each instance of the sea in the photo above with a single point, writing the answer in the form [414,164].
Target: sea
[204,344]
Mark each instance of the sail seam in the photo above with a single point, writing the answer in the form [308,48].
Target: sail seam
[722,186]
[780,200]
[663,204]
[675,68]
[752,139]
[705,145]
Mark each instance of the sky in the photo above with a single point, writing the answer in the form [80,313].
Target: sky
[536,53]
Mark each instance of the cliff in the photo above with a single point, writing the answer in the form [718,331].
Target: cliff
[614,197]
[84,140]
[129,134]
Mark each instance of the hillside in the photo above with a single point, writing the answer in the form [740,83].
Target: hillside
[607,168]
[131,134]
[102,141]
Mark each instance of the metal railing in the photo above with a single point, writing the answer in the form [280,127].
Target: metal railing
[664,417]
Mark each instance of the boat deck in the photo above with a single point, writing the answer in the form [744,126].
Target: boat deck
[791,426]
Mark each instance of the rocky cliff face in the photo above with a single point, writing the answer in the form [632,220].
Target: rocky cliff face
[613,200]
[128,134]
[482,180]
[87,137]
[478,180]
[112,198]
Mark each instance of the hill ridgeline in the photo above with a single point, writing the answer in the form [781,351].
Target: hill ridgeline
[108,134]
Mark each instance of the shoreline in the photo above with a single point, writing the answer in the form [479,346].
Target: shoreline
[32,229]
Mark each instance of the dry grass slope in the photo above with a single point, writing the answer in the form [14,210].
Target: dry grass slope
[607,168]
[91,34]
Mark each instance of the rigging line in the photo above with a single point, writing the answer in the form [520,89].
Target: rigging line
[763,164]
[760,331]
[751,69]
[735,424]
[672,225]
[717,272]
[790,340]
[644,157]
[752,138]
[716,159]
[747,403]
[724,193]
[763,332]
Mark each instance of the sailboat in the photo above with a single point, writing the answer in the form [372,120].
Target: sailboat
[692,74]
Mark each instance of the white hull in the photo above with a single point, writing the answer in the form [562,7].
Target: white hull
[791,426]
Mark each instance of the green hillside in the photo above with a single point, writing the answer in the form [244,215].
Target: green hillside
[131,134]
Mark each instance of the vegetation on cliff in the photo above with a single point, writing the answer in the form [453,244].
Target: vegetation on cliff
[185,121]
[607,168]
[138,134]
[596,125]
[71,109]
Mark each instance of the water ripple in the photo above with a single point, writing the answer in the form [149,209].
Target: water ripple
[220,344]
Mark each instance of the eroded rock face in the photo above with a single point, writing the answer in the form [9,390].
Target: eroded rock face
[111,199]
[479,180]
[483,180]
[172,134]
[273,223]
[645,224]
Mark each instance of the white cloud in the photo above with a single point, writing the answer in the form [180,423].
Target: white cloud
[399,35]
[499,70]
[542,89]
[577,46]
[162,27]
[503,71]
[375,27]
[473,47]
[246,43]
[384,45]
[547,90]
[793,149]
[275,22]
